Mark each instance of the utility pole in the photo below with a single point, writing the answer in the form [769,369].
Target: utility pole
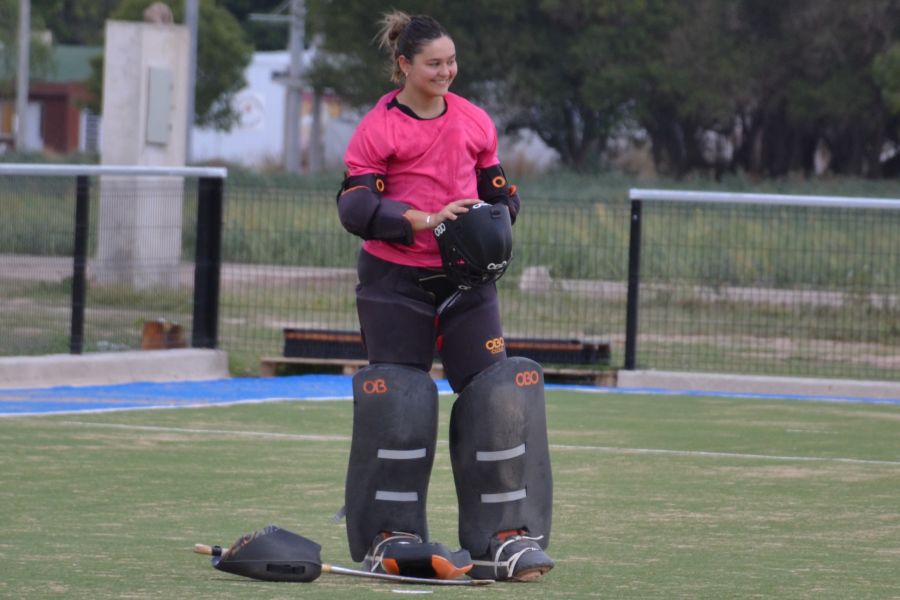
[316,146]
[294,88]
[190,18]
[315,134]
[22,77]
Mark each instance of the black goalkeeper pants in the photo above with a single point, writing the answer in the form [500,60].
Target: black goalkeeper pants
[406,313]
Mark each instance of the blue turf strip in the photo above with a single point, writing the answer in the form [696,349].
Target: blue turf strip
[144,395]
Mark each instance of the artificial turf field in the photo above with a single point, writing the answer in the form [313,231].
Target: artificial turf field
[656,496]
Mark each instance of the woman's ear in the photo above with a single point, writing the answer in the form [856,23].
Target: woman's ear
[404,64]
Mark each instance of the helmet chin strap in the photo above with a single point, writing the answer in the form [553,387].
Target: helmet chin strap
[448,302]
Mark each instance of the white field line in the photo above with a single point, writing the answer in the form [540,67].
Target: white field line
[209,404]
[702,453]
[563,447]
[216,432]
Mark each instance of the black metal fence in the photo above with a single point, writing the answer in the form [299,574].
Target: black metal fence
[90,255]
[720,287]
[766,284]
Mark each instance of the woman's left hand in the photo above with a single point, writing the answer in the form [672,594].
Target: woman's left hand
[448,213]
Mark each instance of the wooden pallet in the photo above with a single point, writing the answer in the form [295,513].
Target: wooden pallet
[268,367]
[591,352]
[598,377]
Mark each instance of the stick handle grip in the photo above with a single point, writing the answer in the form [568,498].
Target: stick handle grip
[209,550]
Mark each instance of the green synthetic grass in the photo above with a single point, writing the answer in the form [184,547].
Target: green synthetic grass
[655,497]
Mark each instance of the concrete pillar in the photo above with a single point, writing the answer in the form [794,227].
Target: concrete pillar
[145,78]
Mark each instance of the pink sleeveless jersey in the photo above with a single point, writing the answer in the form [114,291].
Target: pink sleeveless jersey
[427,163]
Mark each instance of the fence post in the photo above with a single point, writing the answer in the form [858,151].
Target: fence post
[79,263]
[634,283]
[207,262]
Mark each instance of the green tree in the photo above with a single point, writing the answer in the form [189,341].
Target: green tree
[564,68]
[351,64]
[222,56]
[693,80]
[82,22]
[78,22]
[886,70]
[39,55]
[775,79]
[832,94]
[262,35]
[592,68]
[778,78]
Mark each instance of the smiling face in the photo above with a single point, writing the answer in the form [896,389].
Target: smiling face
[432,70]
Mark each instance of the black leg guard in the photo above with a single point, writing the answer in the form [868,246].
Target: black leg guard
[500,455]
[395,412]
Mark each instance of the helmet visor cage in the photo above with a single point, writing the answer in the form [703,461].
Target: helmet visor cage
[466,274]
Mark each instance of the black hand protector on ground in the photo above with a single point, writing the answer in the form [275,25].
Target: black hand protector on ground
[395,412]
[275,554]
[272,554]
[500,455]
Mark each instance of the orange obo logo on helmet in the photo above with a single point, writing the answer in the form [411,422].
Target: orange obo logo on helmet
[374,386]
[495,345]
[526,378]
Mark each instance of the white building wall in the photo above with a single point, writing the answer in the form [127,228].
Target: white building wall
[257,140]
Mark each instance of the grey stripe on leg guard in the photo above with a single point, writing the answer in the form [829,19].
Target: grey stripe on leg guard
[395,412]
[500,455]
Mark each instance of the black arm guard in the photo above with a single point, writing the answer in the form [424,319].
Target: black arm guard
[365,212]
[493,188]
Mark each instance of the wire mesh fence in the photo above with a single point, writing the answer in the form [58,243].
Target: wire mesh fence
[297,269]
[287,262]
[36,234]
[787,290]
[87,261]
[770,289]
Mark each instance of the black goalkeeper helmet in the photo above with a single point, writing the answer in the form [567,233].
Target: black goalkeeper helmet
[476,247]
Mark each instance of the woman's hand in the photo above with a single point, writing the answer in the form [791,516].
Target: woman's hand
[421,220]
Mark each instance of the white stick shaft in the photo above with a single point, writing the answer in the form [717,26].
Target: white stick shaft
[326,568]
